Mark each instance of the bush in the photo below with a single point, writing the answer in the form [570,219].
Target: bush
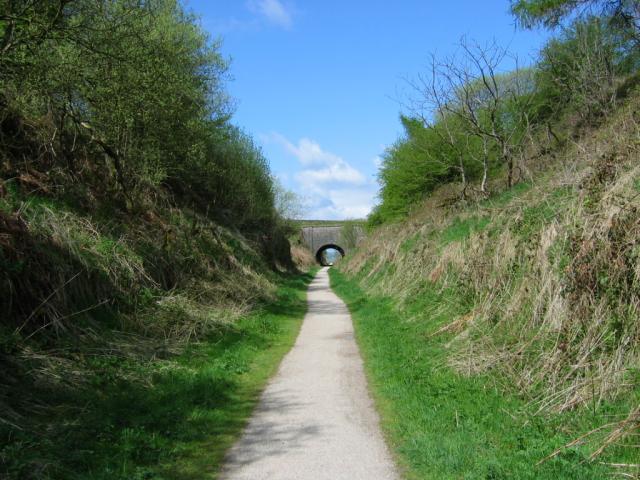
[469,122]
[128,97]
[579,71]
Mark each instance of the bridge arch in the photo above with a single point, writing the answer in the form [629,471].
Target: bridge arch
[341,236]
[319,254]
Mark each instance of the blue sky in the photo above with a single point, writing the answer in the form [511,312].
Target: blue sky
[317,82]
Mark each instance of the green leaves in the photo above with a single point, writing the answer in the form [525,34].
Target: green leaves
[578,70]
[412,168]
[552,13]
[142,85]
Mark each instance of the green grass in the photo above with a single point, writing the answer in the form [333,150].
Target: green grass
[505,196]
[410,242]
[442,425]
[168,417]
[461,229]
[534,217]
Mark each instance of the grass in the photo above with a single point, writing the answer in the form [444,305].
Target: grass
[535,295]
[171,417]
[504,197]
[461,229]
[443,425]
[533,217]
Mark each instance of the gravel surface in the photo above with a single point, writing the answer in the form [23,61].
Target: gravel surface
[315,420]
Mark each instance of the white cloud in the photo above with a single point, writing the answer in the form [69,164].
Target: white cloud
[273,11]
[340,204]
[332,188]
[328,167]
[340,172]
[308,152]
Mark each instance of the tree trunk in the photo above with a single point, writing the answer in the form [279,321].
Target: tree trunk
[485,165]
[463,177]
[508,159]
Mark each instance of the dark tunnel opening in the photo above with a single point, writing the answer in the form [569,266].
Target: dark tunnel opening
[325,255]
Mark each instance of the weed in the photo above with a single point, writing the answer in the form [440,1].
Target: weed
[462,229]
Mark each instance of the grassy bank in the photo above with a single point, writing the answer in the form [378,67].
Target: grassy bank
[142,299]
[169,417]
[442,424]
[535,289]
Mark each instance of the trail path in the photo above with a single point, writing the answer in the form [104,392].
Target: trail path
[315,420]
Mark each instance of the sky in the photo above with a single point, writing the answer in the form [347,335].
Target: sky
[319,84]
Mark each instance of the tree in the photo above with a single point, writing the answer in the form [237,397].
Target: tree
[413,167]
[129,98]
[27,23]
[477,109]
[289,205]
[579,70]
[467,119]
[551,13]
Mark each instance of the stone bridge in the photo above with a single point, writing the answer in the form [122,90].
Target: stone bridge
[343,238]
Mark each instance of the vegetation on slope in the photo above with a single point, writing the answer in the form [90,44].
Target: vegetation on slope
[130,407]
[515,263]
[471,122]
[532,293]
[444,425]
[139,245]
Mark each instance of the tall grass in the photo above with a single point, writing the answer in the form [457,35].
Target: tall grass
[443,425]
[136,222]
[101,315]
[549,276]
[114,404]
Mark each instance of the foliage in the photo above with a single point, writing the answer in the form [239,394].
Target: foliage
[470,122]
[289,204]
[552,13]
[536,290]
[138,233]
[153,415]
[411,168]
[139,84]
[578,71]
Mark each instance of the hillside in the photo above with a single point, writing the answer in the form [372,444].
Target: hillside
[505,330]
[147,286]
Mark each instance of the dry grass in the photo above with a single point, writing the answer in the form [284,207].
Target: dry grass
[77,289]
[551,273]
[302,257]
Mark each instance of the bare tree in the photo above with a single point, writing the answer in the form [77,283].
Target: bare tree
[432,103]
[466,96]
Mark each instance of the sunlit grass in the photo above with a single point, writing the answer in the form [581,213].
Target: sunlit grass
[445,425]
[172,417]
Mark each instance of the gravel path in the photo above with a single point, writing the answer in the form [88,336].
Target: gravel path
[315,419]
